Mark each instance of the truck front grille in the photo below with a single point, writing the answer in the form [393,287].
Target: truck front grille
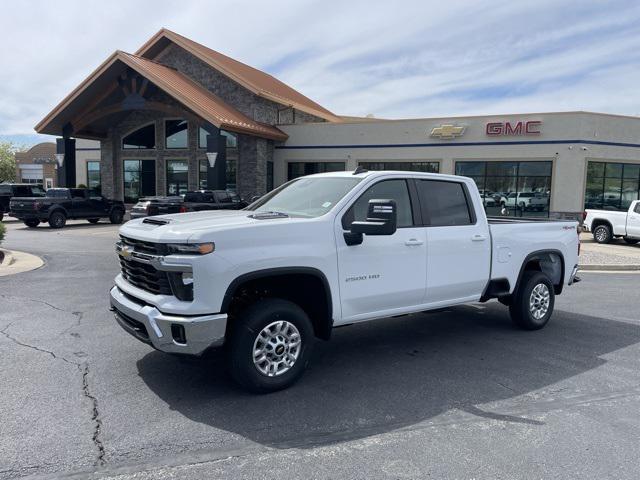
[146,277]
[143,246]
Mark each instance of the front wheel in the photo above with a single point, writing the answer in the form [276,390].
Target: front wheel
[631,241]
[116,217]
[32,222]
[270,345]
[533,301]
[57,220]
[602,234]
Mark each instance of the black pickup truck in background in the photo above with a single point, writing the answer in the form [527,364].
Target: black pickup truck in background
[10,190]
[192,202]
[62,204]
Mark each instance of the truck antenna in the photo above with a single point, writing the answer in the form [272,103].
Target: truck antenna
[359,169]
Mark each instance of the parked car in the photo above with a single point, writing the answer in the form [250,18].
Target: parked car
[607,224]
[525,201]
[329,250]
[62,204]
[192,202]
[10,190]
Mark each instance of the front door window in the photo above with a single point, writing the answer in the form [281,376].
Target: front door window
[139,179]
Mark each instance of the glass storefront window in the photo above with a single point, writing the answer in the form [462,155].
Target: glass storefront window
[177,177]
[515,188]
[143,138]
[611,186]
[93,176]
[300,169]
[430,167]
[139,179]
[176,134]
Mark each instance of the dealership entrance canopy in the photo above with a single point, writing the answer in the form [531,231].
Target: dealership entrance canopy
[178,116]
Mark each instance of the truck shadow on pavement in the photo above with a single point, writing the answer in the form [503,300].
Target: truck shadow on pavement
[394,373]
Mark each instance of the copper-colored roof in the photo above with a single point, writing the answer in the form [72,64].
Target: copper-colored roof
[199,99]
[257,81]
[189,93]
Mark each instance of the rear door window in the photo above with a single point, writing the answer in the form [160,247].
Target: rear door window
[444,203]
[5,189]
[21,191]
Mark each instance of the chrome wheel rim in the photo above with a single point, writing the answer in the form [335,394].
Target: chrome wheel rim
[277,348]
[601,234]
[539,301]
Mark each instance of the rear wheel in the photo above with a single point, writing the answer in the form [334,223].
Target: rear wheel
[93,220]
[533,301]
[116,217]
[270,345]
[57,220]
[631,241]
[32,222]
[602,234]
[1,215]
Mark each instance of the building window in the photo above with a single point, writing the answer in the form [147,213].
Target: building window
[269,176]
[232,158]
[612,186]
[430,167]
[139,179]
[176,134]
[300,169]
[515,188]
[177,177]
[142,138]
[93,176]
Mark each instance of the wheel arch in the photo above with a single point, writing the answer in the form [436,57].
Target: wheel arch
[289,283]
[550,262]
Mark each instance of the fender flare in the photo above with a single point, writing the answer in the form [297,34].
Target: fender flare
[542,255]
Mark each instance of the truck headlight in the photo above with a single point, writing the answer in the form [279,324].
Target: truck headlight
[190,248]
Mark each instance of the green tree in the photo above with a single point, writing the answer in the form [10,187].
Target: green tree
[8,161]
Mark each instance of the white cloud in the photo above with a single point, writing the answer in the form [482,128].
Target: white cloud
[394,59]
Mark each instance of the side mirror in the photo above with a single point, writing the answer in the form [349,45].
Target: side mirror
[382,218]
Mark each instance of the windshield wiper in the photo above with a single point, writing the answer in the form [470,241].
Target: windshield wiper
[268,214]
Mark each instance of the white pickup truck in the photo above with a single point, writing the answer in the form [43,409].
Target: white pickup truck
[608,224]
[324,251]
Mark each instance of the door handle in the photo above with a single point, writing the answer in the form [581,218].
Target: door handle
[413,241]
[478,238]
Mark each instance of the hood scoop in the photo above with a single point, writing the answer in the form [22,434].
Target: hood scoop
[155,221]
[267,215]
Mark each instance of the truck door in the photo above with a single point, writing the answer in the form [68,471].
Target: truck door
[79,202]
[386,272]
[633,221]
[458,242]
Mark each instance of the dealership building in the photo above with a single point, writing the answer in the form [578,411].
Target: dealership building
[178,116]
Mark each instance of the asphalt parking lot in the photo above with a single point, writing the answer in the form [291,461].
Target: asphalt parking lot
[458,394]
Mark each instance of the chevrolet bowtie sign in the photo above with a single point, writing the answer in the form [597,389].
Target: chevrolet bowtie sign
[448,131]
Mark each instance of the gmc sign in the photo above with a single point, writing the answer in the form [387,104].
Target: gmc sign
[513,129]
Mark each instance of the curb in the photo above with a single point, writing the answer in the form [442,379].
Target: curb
[19,262]
[610,267]
[8,258]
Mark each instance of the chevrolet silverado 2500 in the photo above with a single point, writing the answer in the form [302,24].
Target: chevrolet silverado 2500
[328,250]
[607,224]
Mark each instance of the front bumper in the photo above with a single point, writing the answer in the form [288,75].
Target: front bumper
[146,323]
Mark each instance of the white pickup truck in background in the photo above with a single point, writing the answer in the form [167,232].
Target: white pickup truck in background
[329,250]
[608,224]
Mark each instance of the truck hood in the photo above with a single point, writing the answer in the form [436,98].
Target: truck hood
[186,227]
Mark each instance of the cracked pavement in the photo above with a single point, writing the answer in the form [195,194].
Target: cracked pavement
[459,394]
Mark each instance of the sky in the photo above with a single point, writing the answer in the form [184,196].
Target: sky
[392,59]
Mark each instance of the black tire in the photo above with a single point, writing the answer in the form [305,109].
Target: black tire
[1,215]
[57,220]
[522,311]
[602,233]
[93,220]
[32,222]
[631,241]
[116,217]
[245,331]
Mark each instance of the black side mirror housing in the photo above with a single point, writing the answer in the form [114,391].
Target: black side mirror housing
[382,219]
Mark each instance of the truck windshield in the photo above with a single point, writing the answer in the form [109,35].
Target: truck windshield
[306,197]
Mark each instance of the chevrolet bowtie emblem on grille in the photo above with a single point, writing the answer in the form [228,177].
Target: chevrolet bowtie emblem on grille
[125,252]
[448,131]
